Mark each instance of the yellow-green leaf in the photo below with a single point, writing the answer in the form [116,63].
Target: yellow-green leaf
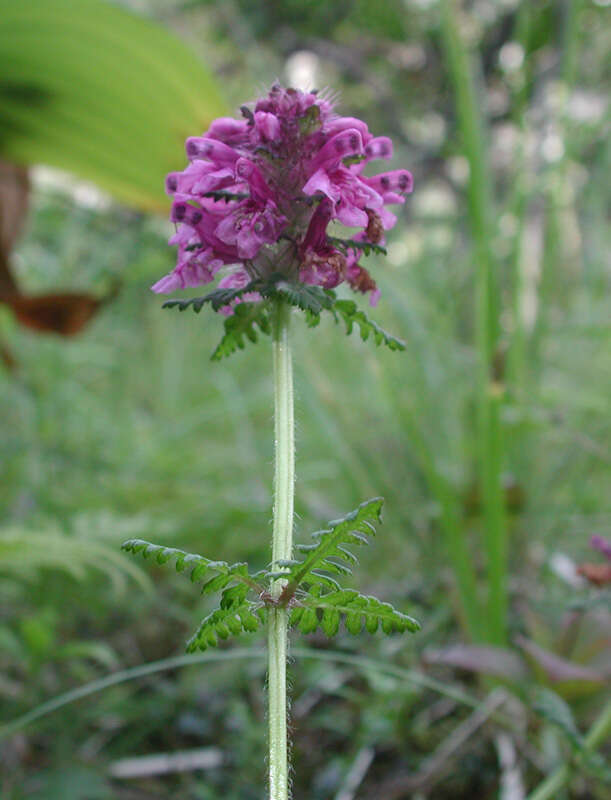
[94,89]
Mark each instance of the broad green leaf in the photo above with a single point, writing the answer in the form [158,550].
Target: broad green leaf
[94,89]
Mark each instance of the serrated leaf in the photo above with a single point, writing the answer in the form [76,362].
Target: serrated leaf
[215,584]
[353,623]
[329,553]
[308,621]
[351,315]
[357,609]
[330,621]
[296,615]
[226,196]
[350,244]
[219,298]
[242,325]
[200,566]
[325,579]
[312,320]
[234,594]
[225,622]
[250,621]
[312,299]
[371,624]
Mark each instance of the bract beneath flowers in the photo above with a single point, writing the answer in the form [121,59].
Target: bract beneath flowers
[259,194]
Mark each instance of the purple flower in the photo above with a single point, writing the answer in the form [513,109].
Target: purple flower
[601,544]
[259,194]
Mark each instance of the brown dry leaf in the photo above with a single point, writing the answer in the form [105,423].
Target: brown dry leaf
[65,313]
[598,574]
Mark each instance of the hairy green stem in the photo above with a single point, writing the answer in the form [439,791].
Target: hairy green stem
[598,733]
[489,393]
[282,548]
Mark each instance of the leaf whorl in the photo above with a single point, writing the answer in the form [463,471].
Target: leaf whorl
[247,317]
[311,593]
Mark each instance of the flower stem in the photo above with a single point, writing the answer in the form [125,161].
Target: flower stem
[282,547]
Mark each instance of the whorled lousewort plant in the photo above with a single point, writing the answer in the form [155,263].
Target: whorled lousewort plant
[254,206]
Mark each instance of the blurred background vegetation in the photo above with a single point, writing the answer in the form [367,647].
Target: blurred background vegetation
[490,438]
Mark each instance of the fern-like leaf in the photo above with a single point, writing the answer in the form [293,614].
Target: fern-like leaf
[230,620]
[241,326]
[329,553]
[226,196]
[200,567]
[352,315]
[350,244]
[312,299]
[356,609]
[217,299]
[247,317]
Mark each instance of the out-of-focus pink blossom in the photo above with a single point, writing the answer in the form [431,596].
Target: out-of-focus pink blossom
[601,544]
[259,194]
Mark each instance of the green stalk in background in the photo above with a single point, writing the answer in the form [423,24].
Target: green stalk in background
[558,253]
[489,393]
[282,548]
[450,524]
[519,204]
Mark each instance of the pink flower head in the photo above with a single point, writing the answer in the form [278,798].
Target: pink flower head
[259,193]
